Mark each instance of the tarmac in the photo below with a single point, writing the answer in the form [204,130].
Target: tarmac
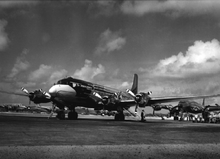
[36,136]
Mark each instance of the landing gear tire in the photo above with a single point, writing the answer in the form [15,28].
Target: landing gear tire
[61,115]
[72,115]
[119,117]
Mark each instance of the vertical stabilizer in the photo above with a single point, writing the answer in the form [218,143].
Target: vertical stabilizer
[134,87]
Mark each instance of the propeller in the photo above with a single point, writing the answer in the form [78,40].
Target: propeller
[130,92]
[140,98]
[105,100]
[14,93]
[25,90]
[30,95]
[118,96]
[37,96]
[99,99]
[47,95]
[136,98]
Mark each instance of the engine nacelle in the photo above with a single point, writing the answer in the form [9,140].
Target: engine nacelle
[105,100]
[142,99]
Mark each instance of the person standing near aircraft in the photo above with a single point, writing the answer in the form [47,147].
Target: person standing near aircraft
[142,116]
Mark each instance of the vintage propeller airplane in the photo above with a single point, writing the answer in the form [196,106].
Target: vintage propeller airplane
[192,107]
[70,93]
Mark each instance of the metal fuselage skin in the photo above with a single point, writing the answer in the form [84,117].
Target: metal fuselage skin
[65,95]
[72,92]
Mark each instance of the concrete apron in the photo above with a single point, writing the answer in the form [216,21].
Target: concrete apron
[171,151]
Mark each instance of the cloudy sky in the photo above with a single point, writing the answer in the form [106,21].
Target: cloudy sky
[174,46]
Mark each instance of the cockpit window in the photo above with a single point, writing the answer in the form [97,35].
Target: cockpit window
[62,82]
[67,82]
[73,84]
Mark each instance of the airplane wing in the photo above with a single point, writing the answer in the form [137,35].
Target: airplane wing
[39,109]
[129,102]
[156,100]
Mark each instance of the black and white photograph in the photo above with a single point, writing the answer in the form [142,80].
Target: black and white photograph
[109,79]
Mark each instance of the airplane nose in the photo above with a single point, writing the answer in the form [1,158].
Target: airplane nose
[66,90]
[53,89]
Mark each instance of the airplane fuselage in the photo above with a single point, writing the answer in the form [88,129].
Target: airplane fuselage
[65,95]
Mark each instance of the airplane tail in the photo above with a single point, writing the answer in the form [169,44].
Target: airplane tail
[134,87]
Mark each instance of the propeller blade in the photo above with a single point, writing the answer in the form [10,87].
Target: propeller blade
[48,96]
[96,95]
[13,93]
[130,93]
[149,93]
[25,90]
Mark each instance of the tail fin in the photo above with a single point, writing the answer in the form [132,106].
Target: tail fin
[134,87]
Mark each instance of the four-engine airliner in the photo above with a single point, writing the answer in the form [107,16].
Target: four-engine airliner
[71,92]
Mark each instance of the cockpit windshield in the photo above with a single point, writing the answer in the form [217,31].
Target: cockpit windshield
[68,81]
[63,81]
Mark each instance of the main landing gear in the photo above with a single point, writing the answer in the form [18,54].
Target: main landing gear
[72,115]
[119,116]
[61,115]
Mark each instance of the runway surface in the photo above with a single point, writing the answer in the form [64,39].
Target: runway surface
[36,136]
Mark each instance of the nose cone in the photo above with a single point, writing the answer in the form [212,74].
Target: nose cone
[53,89]
[62,90]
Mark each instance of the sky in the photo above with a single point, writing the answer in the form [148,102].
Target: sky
[173,45]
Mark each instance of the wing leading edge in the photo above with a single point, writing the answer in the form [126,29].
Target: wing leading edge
[175,99]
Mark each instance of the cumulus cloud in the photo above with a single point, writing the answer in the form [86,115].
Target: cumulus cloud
[20,65]
[41,72]
[203,58]
[106,8]
[8,4]
[174,7]
[195,72]
[88,72]
[57,75]
[3,35]
[109,41]
[25,84]
[125,84]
